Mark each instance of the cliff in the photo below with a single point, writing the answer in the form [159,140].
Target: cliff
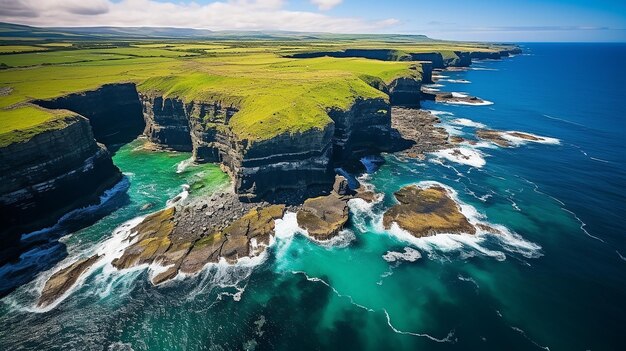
[51,173]
[261,168]
[113,110]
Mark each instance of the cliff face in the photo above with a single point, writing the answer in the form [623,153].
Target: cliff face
[405,92]
[50,174]
[494,55]
[462,59]
[113,110]
[372,54]
[434,57]
[287,161]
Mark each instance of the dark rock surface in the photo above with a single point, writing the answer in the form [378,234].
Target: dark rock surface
[113,110]
[417,130]
[50,174]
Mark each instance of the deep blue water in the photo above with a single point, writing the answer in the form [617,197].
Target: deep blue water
[556,278]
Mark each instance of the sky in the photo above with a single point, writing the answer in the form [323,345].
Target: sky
[486,20]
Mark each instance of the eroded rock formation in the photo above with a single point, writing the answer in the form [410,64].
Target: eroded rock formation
[427,211]
[50,174]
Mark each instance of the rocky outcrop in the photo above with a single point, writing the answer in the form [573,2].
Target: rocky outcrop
[323,217]
[416,133]
[504,138]
[427,211]
[113,110]
[62,281]
[452,98]
[163,239]
[53,172]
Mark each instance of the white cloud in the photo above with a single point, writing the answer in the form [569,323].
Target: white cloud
[325,5]
[219,15]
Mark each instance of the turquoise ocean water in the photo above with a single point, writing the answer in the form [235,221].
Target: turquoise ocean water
[555,279]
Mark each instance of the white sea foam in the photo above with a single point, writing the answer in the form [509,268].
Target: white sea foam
[468,279]
[483,69]
[448,338]
[467,123]
[521,141]
[435,85]
[450,242]
[440,113]
[452,129]
[482,103]
[109,250]
[459,95]
[180,198]
[458,81]
[118,188]
[409,255]
[463,155]
[182,165]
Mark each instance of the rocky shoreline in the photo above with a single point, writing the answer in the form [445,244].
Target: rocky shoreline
[232,225]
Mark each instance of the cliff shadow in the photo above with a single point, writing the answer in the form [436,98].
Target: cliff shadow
[114,112]
[23,260]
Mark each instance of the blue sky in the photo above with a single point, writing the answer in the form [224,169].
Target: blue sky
[487,20]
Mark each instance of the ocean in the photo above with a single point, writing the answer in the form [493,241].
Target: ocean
[554,279]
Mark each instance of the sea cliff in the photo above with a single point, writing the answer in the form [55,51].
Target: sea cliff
[51,173]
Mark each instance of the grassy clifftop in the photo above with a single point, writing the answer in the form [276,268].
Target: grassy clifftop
[23,122]
[274,94]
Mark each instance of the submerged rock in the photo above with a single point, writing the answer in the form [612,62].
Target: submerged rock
[494,136]
[60,282]
[323,217]
[426,212]
[499,137]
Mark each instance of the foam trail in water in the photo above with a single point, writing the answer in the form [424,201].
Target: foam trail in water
[564,120]
[467,123]
[409,255]
[182,165]
[109,194]
[468,279]
[620,255]
[483,103]
[109,250]
[523,333]
[463,155]
[582,224]
[448,338]
[458,81]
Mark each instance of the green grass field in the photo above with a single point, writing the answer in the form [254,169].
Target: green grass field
[274,94]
